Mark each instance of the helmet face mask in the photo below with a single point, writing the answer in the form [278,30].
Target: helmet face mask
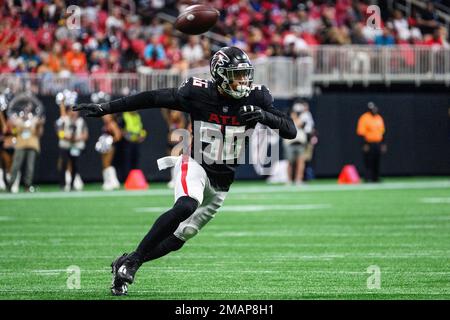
[232,71]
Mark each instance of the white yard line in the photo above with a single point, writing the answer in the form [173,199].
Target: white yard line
[7,218]
[354,187]
[85,194]
[435,200]
[235,190]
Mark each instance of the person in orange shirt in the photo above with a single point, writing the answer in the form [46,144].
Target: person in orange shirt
[372,132]
[76,59]
[56,58]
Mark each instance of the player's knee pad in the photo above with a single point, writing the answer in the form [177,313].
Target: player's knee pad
[188,232]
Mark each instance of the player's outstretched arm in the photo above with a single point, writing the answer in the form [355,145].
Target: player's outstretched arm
[275,119]
[162,98]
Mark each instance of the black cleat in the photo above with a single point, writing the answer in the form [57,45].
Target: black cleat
[119,289]
[123,269]
[118,286]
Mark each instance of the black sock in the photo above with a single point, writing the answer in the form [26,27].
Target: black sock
[166,225]
[171,243]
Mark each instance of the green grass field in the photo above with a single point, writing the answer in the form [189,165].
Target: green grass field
[267,242]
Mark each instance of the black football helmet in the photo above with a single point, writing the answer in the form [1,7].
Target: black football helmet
[230,64]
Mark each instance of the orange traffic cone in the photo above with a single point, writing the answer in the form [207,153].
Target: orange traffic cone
[136,180]
[349,175]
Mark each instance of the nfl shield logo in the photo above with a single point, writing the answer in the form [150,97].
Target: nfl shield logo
[225,109]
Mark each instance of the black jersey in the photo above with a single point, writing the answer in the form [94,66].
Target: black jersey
[212,112]
[214,115]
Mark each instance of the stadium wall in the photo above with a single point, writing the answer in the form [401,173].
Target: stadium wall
[418,135]
[417,130]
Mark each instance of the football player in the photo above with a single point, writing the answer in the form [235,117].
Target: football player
[227,104]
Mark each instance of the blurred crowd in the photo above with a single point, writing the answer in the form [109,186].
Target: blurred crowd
[38,36]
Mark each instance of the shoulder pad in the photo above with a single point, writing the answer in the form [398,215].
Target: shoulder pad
[192,85]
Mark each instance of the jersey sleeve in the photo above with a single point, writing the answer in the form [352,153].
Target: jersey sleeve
[185,89]
[162,98]
[187,93]
[266,98]
[194,89]
[274,118]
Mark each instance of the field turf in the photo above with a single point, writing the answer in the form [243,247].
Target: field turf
[267,242]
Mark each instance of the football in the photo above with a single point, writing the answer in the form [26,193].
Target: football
[196,19]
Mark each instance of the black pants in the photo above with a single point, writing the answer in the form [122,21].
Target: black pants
[126,158]
[372,162]
[65,158]
[131,153]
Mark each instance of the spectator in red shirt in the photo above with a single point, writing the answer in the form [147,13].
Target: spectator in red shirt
[4,67]
[438,39]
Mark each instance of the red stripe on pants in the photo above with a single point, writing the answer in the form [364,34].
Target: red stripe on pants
[184,169]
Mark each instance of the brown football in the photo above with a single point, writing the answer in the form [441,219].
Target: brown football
[197,19]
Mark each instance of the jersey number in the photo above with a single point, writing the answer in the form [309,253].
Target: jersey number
[199,82]
[222,147]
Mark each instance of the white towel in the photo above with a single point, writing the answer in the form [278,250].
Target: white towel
[167,162]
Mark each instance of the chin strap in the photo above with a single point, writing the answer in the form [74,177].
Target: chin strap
[240,92]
